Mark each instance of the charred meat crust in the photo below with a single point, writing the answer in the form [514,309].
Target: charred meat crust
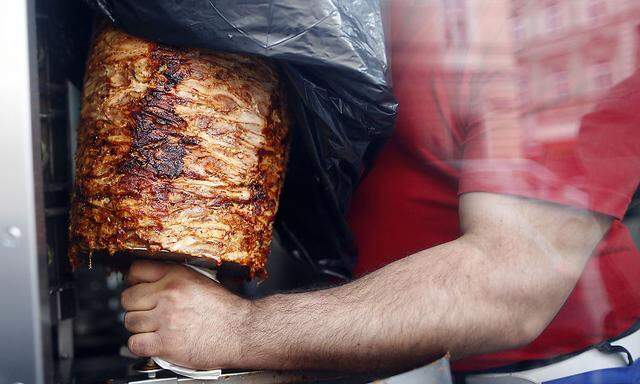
[180,151]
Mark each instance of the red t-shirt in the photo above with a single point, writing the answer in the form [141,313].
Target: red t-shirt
[447,142]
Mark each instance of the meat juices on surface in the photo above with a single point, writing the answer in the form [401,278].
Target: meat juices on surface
[180,151]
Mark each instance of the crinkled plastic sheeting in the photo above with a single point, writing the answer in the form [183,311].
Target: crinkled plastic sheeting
[333,55]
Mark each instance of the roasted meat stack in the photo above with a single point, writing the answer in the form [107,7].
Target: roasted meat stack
[181,153]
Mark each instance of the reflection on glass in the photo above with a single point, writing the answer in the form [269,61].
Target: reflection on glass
[534,98]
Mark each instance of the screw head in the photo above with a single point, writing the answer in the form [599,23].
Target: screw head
[14,231]
[10,236]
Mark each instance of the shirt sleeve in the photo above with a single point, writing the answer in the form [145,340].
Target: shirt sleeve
[596,168]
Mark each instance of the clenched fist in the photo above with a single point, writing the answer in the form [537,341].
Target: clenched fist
[183,317]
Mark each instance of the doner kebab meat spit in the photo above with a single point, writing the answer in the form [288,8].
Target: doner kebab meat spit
[180,152]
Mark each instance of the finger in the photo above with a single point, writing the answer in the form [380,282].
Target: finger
[140,321]
[140,297]
[147,271]
[145,344]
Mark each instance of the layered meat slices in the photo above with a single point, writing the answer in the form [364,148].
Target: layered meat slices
[181,152]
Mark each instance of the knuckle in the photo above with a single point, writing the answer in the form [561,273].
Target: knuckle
[173,292]
[144,345]
[125,298]
[134,270]
[172,319]
[170,296]
[175,283]
[136,345]
[168,299]
[128,321]
[131,322]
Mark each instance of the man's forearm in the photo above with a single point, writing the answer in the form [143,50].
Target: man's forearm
[494,288]
[402,315]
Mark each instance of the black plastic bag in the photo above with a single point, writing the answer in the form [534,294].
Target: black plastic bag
[333,55]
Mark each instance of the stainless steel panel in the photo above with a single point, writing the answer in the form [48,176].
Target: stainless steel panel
[24,340]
